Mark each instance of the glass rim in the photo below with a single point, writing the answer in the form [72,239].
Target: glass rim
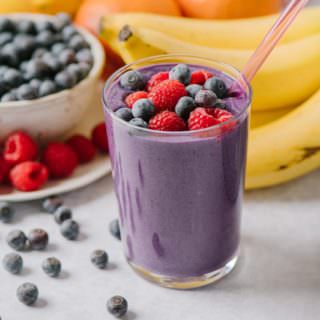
[111,79]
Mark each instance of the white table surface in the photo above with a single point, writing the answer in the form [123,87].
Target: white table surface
[278,275]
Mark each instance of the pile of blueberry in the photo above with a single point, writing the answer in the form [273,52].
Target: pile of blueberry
[39,58]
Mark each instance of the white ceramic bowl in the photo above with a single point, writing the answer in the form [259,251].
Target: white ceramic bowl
[53,116]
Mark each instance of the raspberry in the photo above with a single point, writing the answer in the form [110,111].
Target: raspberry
[29,176]
[221,115]
[167,121]
[99,137]
[166,95]
[135,96]
[200,119]
[19,147]
[83,147]
[200,77]
[60,159]
[4,169]
[157,79]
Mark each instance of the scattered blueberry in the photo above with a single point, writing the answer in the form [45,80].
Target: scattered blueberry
[13,263]
[77,42]
[124,114]
[114,228]
[70,229]
[9,97]
[47,87]
[85,55]
[67,56]
[132,80]
[65,80]
[12,78]
[206,98]
[51,204]
[38,239]
[180,72]
[52,267]
[27,293]
[6,212]
[184,107]
[221,105]
[117,306]
[26,92]
[99,258]
[138,122]
[17,240]
[144,109]
[62,214]
[217,86]
[193,89]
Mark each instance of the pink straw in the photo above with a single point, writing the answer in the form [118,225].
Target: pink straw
[273,37]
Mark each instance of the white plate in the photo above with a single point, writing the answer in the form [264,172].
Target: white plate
[83,175]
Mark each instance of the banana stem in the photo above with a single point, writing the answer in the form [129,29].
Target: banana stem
[272,38]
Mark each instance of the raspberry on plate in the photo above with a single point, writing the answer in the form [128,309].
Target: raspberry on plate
[166,95]
[200,77]
[19,147]
[60,159]
[157,79]
[4,169]
[99,137]
[200,118]
[167,121]
[29,176]
[83,147]
[134,97]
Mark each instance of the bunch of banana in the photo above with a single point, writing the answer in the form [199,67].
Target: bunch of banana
[284,140]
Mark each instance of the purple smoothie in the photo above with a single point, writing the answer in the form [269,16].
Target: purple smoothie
[179,194]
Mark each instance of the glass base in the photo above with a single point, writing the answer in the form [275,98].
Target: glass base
[186,282]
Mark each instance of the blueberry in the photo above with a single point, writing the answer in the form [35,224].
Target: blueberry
[124,114]
[52,62]
[143,109]
[184,106]
[52,267]
[45,38]
[85,55]
[114,228]
[58,47]
[132,80]
[117,306]
[9,55]
[37,68]
[70,229]
[27,293]
[6,212]
[10,96]
[193,89]
[85,69]
[17,240]
[67,56]
[13,263]
[51,204]
[46,88]
[3,70]
[99,258]
[38,239]
[62,214]
[3,87]
[68,32]
[35,83]
[26,26]
[206,98]
[23,66]
[26,92]
[12,78]
[62,20]
[180,72]
[217,86]
[65,80]
[5,37]
[25,45]
[77,42]
[221,105]
[138,122]
[39,53]
[45,25]
[7,25]
[75,69]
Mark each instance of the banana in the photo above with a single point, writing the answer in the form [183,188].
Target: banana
[290,76]
[286,148]
[229,34]
[261,118]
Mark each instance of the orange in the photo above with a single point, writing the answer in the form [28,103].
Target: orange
[228,9]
